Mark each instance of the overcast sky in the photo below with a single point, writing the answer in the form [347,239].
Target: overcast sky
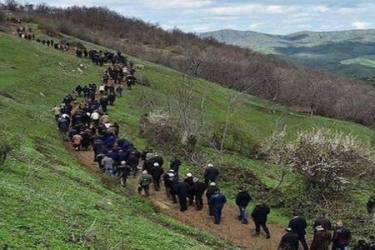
[266,16]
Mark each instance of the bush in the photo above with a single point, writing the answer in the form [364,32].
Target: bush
[2,17]
[324,161]
[50,28]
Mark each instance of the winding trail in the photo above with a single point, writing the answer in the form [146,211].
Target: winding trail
[230,229]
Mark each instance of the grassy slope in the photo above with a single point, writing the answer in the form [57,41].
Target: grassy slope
[46,195]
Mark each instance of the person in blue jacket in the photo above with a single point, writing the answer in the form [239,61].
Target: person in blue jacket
[217,200]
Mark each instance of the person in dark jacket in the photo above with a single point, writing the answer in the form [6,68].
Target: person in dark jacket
[362,245]
[198,190]
[298,225]
[372,243]
[133,162]
[323,221]
[243,199]
[189,180]
[175,164]
[170,182]
[341,237]
[156,172]
[321,240]
[217,201]
[148,165]
[210,174]
[111,98]
[167,179]
[289,241]
[123,172]
[158,158]
[182,193]
[259,215]
[210,191]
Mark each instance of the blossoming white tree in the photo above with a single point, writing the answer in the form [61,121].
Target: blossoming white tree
[323,160]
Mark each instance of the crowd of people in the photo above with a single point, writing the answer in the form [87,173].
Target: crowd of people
[84,121]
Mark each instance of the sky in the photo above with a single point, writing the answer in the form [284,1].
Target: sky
[279,17]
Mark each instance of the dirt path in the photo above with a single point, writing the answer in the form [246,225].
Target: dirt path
[230,229]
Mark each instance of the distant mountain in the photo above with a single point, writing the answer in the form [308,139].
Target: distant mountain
[350,53]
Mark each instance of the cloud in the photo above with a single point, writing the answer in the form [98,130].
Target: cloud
[176,4]
[266,16]
[321,8]
[275,9]
[362,25]
[232,10]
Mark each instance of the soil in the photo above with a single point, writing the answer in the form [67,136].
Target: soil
[230,229]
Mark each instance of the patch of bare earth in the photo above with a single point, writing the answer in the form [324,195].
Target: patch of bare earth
[230,229]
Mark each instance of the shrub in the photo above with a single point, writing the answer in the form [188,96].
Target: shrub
[324,161]
[50,28]
[2,17]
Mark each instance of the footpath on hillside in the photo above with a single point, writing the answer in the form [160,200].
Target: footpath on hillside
[230,229]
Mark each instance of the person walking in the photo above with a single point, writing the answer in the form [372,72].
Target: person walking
[182,194]
[56,111]
[210,174]
[108,164]
[298,225]
[341,237]
[323,221]
[243,199]
[123,172]
[321,240]
[217,201]
[210,191]
[170,179]
[289,241]
[156,172]
[190,180]
[175,164]
[144,183]
[198,190]
[259,215]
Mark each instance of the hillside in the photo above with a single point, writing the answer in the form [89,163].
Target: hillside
[250,72]
[48,199]
[51,200]
[348,53]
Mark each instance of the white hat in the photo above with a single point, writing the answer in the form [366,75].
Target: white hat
[210,165]
[212,184]
[144,172]
[156,164]
[189,175]
[123,162]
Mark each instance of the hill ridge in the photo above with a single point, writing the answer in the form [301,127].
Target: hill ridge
[322,50]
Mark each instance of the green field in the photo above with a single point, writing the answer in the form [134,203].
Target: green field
[49,201]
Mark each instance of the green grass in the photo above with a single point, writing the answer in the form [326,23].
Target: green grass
[47,199]
[46,196]
[361,61]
